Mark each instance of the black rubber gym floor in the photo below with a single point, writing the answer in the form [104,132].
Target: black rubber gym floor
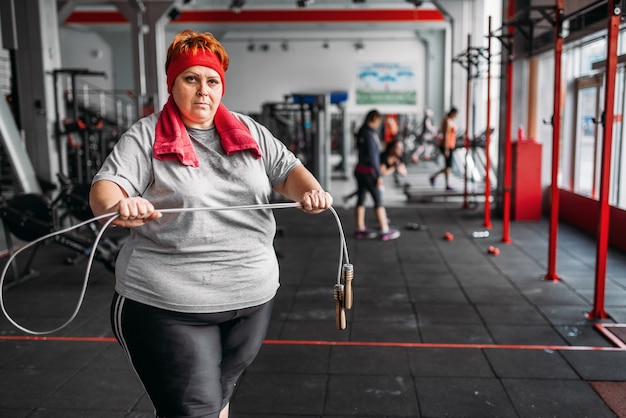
[438,328]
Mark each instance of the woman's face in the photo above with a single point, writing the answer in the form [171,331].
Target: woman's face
[398,149]
[197,92]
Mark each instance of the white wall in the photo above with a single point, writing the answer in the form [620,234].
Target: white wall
[88,50]
[258,77]
[122,64]
[254,78]
[307,67]
[471,18]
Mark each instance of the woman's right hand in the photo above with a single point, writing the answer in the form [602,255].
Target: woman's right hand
[134,211]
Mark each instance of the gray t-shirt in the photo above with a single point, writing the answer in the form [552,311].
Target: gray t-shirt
[199,261]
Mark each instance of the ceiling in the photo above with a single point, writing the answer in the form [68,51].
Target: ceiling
[374,16]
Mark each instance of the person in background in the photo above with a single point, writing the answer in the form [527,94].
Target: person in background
[194,290]
[390,163]
[426,137]
[390,128]
[369,179]
[446,145]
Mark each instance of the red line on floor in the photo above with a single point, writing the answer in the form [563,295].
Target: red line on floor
[45,338]
[6,253]
[348,343]
[605,329]
[445,345]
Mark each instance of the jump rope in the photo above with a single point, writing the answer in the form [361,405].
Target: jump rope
[342,291]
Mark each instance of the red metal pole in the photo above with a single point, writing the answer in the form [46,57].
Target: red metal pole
[556,137]
[605,171]
[487,218]
[467,118]
[506,190]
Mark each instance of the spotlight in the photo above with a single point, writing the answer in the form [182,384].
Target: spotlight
[250,47]
[284,46]
[305,3]
[358,1]
[359,47]
[174,14]
[236,5]
[416,3]
[326,45]
[264,47]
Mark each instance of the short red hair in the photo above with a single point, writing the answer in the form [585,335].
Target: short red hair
[191,48]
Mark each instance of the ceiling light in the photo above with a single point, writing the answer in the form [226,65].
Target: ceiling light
[358,1]
[174,14]
[305,3]
[236,5]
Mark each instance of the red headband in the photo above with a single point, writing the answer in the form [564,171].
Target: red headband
[181,62]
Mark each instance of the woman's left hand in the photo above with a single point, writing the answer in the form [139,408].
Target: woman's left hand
[316,201]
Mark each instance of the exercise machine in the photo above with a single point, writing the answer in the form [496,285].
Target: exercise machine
[307,125]
[30,216]
[475,156]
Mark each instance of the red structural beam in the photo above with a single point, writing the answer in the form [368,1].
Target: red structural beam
[276,16]
[506,189]
[556,138]
[605,170]
[487,215]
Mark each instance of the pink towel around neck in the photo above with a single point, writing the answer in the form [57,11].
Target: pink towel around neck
[172,141]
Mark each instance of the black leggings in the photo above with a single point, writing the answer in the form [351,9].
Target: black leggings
[367,182]
[189,363]
[448,159]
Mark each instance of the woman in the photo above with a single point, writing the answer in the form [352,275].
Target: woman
[194,290]
[446,145]
[369,180]
[391,160]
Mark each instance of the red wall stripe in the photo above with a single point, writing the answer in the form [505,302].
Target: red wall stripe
[273,16]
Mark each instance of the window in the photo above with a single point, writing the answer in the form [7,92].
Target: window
[591,53]
[586,136]
[582,147]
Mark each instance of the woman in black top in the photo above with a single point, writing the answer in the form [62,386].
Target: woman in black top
[368,177]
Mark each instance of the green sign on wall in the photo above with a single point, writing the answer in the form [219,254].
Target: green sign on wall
[386,83]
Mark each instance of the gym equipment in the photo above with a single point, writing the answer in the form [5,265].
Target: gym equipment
[342,294]
[306,126]
[21,166]
[31,216]
[342,289]
[92,122]
[475,157]
[420,144]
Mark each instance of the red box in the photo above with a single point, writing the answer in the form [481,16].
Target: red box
[526,191]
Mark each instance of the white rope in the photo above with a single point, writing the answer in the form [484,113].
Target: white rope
[343,252]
